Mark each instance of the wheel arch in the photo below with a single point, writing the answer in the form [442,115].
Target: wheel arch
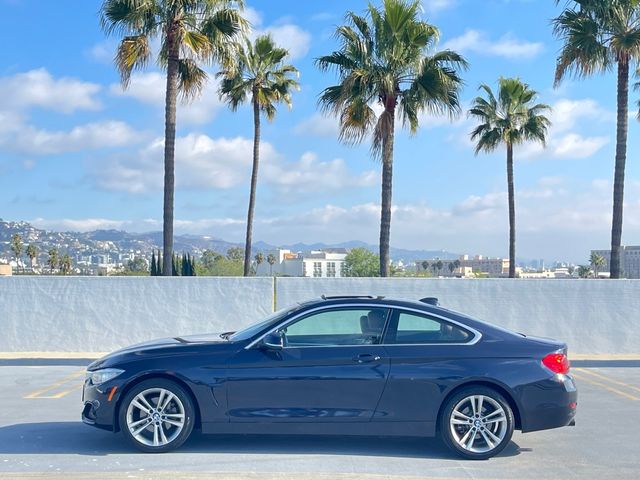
[501,389]
[148,376]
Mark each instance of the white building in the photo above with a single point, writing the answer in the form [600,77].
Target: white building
[316,263]
[629,258]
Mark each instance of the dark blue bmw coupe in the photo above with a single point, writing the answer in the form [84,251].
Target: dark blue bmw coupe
[338,365]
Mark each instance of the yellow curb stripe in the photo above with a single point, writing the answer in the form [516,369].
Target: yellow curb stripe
[57,384]
[64,392]
[610,380]
[606,387]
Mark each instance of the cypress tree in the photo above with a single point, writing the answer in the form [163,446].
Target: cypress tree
[153,272]
[193,267]
[174,269]
[183,265]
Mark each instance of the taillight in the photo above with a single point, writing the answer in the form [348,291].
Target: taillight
[556,362]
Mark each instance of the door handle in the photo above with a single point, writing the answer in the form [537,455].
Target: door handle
[366,358]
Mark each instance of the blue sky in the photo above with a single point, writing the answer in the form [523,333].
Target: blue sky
[77,152]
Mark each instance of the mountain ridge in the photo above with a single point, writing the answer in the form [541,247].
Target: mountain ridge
[113,240]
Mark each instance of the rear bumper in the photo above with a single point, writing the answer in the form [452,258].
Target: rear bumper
[549,404]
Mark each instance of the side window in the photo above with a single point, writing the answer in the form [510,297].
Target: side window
[417,328]
[344,326]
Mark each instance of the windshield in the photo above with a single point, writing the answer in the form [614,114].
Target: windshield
[254,329]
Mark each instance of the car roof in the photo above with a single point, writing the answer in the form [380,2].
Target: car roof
[425,304]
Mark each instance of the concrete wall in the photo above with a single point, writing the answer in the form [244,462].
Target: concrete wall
[97,314]
[592,316]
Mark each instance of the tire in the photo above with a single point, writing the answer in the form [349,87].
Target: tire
[476,435]
[157,415]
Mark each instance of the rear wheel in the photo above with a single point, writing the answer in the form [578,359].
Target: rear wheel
[157,415]
[477,423]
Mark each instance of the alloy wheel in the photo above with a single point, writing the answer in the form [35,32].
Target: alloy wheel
[478,423]
[155,417]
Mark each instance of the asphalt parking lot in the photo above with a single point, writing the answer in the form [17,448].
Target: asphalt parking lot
[41,437]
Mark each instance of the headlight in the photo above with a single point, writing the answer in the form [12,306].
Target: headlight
[100,376]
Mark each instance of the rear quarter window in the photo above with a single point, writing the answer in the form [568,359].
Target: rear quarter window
[415,328]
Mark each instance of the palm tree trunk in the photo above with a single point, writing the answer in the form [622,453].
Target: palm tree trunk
[621,158]
[387,187]
[254,182]
[169,151]
[512,213]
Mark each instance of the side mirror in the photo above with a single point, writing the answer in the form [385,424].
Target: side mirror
[273,341]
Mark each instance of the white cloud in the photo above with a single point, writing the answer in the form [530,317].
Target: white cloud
[291,37]
[150,87]
[574,145]
[319,125]
[222,163]
[38,88]
[286,34]
[566,113]
[436,6]
[103,52]
[506,46]
[563,143]
[310,175]
[552,223]
[16,135]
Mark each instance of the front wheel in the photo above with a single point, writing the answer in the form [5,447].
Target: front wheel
[477,423]
[157,415]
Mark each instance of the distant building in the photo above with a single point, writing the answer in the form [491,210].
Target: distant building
[629,259]
[316,263]
[468,266]
[5,270]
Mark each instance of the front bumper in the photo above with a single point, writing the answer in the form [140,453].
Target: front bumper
[549,404]
[99,405]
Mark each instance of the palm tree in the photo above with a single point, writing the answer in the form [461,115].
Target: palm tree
[190,31]
[452,267]
[584,271]
[387,59]
[65,264]
[596,261]
[599,36]
[53,259]
[271,260]
[259,260]
[425,265]
[262,77]
[511,118]
[32,253]
[16,248]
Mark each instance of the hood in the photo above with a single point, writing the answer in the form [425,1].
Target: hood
[159,346]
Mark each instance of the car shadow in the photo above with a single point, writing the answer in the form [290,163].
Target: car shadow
[76,438]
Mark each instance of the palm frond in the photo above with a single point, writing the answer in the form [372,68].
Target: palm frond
[133,53]
[260,74]
[511,117]
[191,78]
[130,17]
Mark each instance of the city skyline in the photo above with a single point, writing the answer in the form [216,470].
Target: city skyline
[86,155]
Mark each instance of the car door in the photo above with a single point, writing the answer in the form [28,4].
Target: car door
[331,368]
[427,354]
